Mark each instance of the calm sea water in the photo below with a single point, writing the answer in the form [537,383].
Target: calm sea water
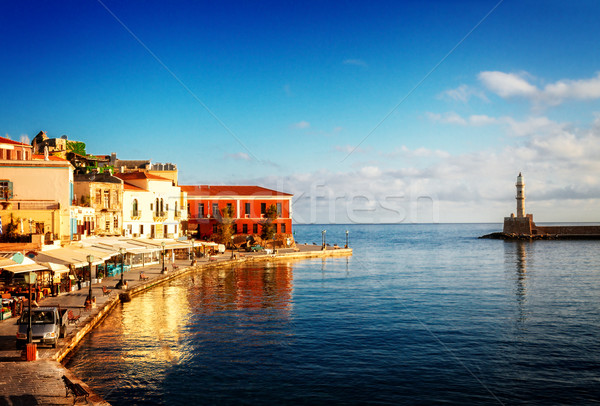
[421,314]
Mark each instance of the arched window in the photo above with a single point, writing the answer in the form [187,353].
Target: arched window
[134,209]
[157,207]
[162,207]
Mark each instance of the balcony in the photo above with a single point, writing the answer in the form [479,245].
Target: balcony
[136,214]
[160,215]
[177,214]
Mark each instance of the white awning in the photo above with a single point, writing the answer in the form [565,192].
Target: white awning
[21,268]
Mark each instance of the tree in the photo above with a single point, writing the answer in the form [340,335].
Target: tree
[225,226]
[77,147]
[267,226]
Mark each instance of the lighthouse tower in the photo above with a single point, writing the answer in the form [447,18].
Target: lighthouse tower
[520,196]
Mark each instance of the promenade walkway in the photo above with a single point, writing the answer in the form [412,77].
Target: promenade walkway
[40,383]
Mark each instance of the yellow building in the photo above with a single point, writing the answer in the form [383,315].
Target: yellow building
[36,193]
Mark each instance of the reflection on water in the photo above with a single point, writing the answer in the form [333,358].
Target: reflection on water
[137,345]
[515,261]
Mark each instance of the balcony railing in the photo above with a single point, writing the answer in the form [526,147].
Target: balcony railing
[136,213]
[177,214]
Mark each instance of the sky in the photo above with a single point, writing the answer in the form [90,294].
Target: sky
[368,112]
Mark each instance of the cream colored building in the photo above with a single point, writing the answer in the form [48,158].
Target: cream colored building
[153,207]
[37,194]
[104,193]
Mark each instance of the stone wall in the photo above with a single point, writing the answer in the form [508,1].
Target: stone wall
[568,230]
[518,225]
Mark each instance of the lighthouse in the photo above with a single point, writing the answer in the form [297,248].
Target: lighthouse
[520,196]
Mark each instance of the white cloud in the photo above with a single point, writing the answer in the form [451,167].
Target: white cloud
[370,171]
[463,93]
[25,139]
[583,89]
[301,125]
[507,85]
[239,156]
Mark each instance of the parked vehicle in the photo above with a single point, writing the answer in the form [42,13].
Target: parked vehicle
[48,324]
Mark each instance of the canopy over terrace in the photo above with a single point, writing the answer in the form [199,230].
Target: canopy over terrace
[75,256]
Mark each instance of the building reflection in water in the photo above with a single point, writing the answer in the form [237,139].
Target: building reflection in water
[176,323]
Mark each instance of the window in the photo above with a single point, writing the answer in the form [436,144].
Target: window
[98,197]
[188,209]
[116,223]
[106,200]
[162,207]
[215,228]
[215,209]
[255,228]
[107,225]
[247,209]
[6,189]
[245,228]
[263,208]
[283,228]
[278,209]
[201,210]
[134,209]
[166,230]
[151,207]
[141,229]
[275,228]
[235,228]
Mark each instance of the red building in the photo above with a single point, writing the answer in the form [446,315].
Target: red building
[248,203]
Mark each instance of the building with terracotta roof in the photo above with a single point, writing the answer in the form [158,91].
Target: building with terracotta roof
[14,151]
[35,191]
[248,204]
[152,206]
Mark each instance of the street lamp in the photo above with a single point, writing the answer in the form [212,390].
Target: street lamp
[346,239]
[163,257]
[30,278]
[90,259]
[122,284]
[231,247]
[323,238]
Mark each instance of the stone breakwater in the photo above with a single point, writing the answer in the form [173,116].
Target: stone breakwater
[529,237]
[47,371]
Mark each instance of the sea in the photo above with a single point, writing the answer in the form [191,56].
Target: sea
[421,314]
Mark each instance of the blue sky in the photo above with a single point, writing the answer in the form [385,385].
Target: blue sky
[366,111]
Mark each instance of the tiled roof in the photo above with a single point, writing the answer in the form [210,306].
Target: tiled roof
[227,190]
[140,175]
[4,140]
[128,186]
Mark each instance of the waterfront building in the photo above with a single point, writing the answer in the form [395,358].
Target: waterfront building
[248,204]
[36,191]
[152,206]
[104,193]
[14,151]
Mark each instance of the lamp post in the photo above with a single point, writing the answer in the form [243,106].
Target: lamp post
[122,284]
[30,278]
[90,259]
[323,239]
[231,247]
[346,239]
[163,257]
